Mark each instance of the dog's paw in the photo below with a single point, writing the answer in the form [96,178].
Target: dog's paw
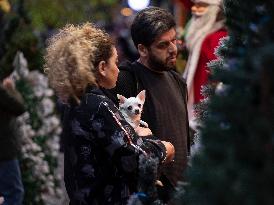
[143,123]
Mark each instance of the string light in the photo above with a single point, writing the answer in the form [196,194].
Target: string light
[138,4]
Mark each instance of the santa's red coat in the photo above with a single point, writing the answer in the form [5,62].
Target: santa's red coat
[206,55]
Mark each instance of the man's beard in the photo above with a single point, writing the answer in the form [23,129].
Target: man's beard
[157,64]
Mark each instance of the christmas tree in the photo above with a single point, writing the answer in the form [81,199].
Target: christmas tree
[235,163]
[39,131]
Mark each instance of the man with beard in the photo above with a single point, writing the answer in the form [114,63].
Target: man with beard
[154,35]
[205,29]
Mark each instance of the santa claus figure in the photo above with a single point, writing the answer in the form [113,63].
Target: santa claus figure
[203,32]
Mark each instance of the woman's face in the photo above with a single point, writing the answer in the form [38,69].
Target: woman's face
[111,71]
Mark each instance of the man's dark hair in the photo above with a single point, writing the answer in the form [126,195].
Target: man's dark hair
[149,24]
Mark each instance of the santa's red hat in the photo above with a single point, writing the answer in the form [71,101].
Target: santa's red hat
[215,2]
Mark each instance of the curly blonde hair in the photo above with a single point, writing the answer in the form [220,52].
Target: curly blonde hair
[72,58]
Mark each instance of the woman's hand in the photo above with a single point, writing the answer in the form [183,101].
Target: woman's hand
[143,131]
[170,151]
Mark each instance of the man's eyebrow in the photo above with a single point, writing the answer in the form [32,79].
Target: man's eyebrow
[166,41]
[163,42]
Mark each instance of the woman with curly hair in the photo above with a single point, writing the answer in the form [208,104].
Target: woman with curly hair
[101,149]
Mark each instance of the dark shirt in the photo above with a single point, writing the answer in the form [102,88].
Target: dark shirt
[102,152]
[164,109]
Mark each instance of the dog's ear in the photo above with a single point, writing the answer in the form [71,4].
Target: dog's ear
[142,95]
[121,99]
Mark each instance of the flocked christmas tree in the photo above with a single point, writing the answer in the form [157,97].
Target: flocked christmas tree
[39,130]
[235,163]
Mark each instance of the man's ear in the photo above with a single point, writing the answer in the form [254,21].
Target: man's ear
[142,50]
[102,68]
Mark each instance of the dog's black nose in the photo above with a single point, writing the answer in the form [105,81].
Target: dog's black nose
[137,112]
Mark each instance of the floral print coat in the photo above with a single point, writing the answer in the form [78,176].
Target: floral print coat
[102,152]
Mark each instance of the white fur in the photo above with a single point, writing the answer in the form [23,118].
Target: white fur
[132,108]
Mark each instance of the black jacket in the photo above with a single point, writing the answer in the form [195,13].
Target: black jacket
[102,152]
[11,106]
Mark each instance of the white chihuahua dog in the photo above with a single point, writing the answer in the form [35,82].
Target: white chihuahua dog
[132,108]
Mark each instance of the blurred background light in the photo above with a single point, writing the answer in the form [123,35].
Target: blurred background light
[138,4]
[126,11]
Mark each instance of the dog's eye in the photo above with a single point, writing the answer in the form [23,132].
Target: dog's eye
[129,107]
[139,105]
